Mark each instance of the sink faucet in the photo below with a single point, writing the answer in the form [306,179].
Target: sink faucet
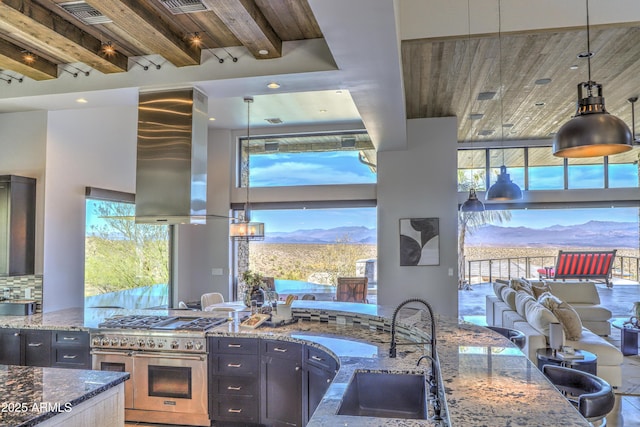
[434,374]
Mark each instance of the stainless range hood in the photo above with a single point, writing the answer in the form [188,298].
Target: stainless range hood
[171,174]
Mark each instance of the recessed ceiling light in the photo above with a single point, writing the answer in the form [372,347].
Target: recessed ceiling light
[582,55]
[263,52]
[273,85]
[485,96]
[544,81]
[322,111]
[573,67]
[211,119]
[81,101]
[476,116]
[485,132]
[274,121]
[339,92]
[539,104]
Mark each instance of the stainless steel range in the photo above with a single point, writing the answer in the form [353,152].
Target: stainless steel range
[167,359]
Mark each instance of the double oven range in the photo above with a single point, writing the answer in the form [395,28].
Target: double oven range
[167,359]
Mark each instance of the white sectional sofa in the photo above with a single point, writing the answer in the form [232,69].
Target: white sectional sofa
[516,309]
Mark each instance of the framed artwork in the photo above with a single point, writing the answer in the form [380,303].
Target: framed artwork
[419,241]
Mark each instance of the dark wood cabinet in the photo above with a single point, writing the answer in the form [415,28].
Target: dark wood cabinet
[70,349]
[234,380]
[17,225]
[281,383]
[319,370]
[10,349]
[45,348]
[36,347]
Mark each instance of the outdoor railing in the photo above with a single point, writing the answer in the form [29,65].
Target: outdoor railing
[487,270]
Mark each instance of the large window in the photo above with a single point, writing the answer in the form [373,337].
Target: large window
[587,172]
[126,264]
[513,159]
[623,170]
[546,171]
[472,169]
[306,250]
[322,159]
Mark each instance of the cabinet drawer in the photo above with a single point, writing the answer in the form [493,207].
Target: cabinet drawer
[37,347]
[282,349]
[70,357]
[235,364]
[320,358]
[234,386]
[234,345]
[71,338]
[241,409]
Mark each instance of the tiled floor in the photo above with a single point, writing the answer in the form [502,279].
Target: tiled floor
[619,300]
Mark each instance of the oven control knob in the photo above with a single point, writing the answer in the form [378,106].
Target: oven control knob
[198,346]
[141,342]
[174,344]
[189,345]
[151,343]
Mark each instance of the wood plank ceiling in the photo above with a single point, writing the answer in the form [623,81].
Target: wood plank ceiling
[56,34]
[531,75]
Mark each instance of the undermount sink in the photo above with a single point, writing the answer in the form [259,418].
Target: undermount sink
[384,395]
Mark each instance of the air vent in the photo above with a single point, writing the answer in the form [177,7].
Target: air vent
[274,121]
[178,7]
[486,132]
[85,13]
[476,116]
[485,96]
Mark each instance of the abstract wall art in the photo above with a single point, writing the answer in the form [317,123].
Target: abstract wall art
[419,241]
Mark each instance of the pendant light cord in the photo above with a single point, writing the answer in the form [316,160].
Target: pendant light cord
[500,77]
[588,52]
[247,213]
[470,58]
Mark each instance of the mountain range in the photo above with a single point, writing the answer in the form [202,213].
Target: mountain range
[358,234]
[605,234]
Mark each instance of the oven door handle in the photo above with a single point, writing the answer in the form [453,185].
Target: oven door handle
[111,353]
[147,355]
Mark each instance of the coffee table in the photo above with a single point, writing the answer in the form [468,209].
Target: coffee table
[588,364]
[628,337]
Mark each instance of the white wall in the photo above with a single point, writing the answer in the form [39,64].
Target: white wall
[419,182]
[89,147]
[22,143]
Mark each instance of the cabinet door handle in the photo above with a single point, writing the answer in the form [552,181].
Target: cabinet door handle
[234,411]
[319,359]
[297,368]
[234,345]
[234,365]
[34,344]
[281,350]
[234,388]
[70,356]
[70,338]
[328,380]
[16,334]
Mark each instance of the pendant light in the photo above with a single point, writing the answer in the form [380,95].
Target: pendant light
[243,228]
[592,132]
[503,188]
[472,204]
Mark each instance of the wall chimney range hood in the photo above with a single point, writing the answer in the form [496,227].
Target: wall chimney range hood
[171,171]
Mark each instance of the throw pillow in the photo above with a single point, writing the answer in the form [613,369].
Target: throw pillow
[509,296]
[567,315]
[539,289]
[521,285]
[539,317]
[497,289]
[522,298]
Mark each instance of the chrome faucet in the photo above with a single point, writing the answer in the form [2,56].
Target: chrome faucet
[434,374]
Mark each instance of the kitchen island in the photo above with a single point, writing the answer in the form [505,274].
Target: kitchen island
[60,397]
[485,379]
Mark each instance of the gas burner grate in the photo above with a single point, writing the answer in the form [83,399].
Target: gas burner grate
[201,324]
[134,321]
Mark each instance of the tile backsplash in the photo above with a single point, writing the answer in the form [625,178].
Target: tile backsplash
[15,287]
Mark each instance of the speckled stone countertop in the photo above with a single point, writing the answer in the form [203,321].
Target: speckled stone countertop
[487,381]
[32,395]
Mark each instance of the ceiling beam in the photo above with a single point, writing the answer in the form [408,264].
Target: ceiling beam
[11,58]
[33,24]
[249,25]
[150,29]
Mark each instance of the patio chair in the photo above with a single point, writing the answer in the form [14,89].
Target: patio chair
[352,289]
[210,299]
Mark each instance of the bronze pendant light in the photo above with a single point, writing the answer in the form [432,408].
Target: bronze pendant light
[503,188]
[592,132]
[472,204]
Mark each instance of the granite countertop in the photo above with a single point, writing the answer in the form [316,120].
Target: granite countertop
[32,395]
[486,379]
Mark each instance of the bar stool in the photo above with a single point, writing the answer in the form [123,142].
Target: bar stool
[591,395]
[514,335]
